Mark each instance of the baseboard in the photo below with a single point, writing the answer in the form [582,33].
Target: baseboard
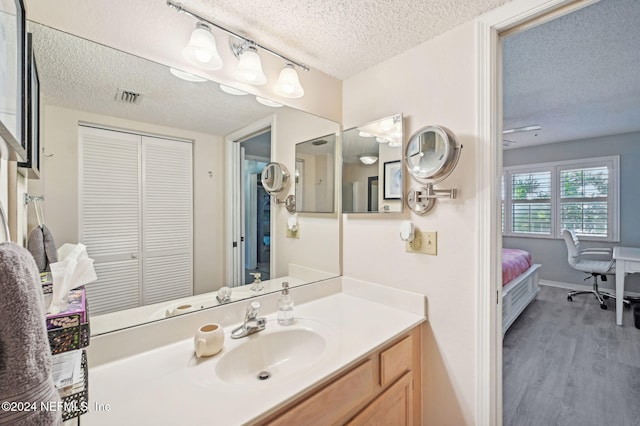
[570,286]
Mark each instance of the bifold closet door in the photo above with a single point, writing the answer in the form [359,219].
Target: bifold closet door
[167,223]
[109,199]
[136,218]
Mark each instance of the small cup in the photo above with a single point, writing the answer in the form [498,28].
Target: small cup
[208,340]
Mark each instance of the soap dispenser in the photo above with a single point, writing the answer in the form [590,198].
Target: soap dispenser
[285,306]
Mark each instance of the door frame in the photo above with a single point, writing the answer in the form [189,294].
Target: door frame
[233,253]
[524,13]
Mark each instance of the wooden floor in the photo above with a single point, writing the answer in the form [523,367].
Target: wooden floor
[567,363]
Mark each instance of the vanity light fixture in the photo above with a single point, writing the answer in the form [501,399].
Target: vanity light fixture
[364,134]
[249,68]
[187,76]
[201,49]
[232,90]
[288,84]
[368,159]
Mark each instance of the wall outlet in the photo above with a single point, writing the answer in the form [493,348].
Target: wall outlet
[424,243]
[291,234]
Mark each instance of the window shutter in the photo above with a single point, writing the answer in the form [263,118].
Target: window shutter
[584,200]
[531,203]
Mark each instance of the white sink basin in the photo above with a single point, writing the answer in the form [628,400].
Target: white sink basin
[272,354]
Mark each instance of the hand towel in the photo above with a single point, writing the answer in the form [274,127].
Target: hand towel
[25,355]
[42,247]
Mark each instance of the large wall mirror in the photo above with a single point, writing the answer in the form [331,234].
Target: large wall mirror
[372,167]
[93,99]
[315,175]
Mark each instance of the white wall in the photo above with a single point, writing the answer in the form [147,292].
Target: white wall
[59,185]
[434,83]
[319,232]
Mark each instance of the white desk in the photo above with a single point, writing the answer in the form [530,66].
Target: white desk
[627,261]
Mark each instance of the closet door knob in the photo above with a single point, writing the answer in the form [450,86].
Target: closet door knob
[134,256]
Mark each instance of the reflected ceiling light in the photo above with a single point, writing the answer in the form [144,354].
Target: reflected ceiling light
[201,49]
[364,134]
[368,159]
[288,84]
[395,144]
[521,129]
[268,102]
[382,140]
[232,90]
[249,69]
[186,76]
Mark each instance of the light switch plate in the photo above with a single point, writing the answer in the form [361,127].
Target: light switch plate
[424,243]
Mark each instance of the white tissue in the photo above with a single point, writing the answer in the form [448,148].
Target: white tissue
[73,269]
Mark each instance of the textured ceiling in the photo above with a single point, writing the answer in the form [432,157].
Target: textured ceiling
[575,76]
[342,37]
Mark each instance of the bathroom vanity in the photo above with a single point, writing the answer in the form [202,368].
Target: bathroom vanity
[353,354]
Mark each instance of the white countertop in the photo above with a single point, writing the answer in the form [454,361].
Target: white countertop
[169,386]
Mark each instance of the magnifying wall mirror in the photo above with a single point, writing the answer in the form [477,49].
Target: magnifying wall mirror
[372,167]
[430,156]
[315,175]
[274,178]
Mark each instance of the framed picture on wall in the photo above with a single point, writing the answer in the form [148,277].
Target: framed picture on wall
[392,180]
[33,114]
[12,80]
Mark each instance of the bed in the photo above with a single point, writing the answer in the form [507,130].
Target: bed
[519,284]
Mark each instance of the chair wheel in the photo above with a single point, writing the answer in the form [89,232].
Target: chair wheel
[570,299]
[603,306]
[605,296]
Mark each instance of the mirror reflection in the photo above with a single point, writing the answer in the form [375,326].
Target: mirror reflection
[274,178]
[136,167]
[431,153]
[372,167]
[315,175]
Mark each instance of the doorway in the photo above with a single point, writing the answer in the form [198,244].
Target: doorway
[250,248]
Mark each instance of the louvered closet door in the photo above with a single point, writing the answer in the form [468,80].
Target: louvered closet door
[167,230]
[110,216]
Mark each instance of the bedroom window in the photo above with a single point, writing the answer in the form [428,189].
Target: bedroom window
[544,199]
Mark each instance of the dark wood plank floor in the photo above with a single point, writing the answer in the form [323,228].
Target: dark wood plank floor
[568,363]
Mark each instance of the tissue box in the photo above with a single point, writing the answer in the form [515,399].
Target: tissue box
[75,313]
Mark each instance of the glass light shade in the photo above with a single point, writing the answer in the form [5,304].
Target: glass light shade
[186,76]
[382,140]
[201,49]
[368,159]
[387,125]
[232,90]
[364,134]
[288,84]
[249,69]
[268,102]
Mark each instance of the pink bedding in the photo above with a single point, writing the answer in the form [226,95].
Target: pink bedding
[514,262]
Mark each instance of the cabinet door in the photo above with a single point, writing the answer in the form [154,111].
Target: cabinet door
[393,407]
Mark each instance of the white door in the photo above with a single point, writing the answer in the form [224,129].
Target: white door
[109,200]
[136,218]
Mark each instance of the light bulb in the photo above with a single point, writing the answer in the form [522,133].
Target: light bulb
[288,84]
[249,69]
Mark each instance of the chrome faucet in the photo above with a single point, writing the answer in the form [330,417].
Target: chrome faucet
[252,324]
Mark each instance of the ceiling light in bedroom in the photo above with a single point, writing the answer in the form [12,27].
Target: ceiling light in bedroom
[368,159]
[521,129]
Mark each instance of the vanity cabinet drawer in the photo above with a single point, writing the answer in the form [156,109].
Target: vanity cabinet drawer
[396,361]
[332,403]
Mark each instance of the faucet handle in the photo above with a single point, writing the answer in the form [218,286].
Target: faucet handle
[256,276]
[252,309]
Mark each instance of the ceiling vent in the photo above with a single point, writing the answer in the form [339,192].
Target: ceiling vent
[128,96]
